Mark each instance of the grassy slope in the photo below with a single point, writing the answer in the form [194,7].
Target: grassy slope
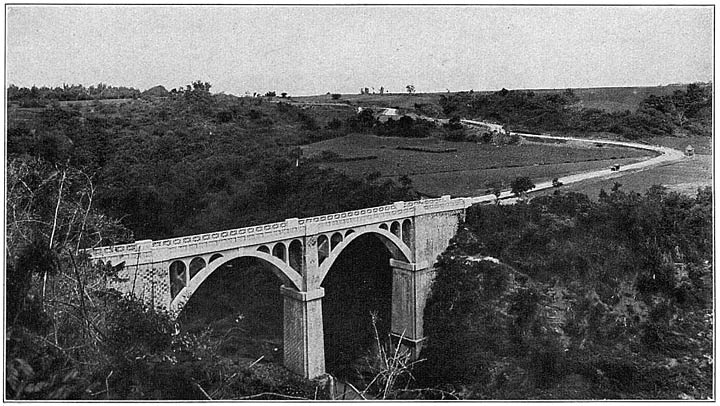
[684,176]
[467,170]
[616,98]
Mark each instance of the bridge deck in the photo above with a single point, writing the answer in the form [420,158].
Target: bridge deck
[289,228]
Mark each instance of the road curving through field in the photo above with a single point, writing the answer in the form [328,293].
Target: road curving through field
[665,155]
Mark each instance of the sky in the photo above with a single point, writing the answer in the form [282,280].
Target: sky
[304,50]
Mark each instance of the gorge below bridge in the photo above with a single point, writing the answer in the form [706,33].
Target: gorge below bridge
[166,273]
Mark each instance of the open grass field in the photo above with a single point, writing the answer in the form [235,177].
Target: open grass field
[468,169]
[685,177]
[702,145]
[474,182]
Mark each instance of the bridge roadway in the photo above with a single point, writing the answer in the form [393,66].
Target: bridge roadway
[165,273]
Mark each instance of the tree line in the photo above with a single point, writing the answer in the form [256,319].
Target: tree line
[686,111]
[42,96]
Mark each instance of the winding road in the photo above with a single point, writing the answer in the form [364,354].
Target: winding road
[665,155]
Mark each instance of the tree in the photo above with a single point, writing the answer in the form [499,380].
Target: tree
[521,185]
[410,89]
[202,87]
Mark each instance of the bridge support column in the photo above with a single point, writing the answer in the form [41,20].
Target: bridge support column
[304,347]
[411,287]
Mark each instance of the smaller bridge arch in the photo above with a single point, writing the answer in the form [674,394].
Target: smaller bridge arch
[280,251]
[398,249]
[196,265]
[287,275]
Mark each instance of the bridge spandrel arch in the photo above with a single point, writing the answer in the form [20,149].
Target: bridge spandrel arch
[288,276]
[398,250]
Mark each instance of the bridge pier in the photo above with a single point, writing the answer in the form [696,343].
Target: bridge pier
[303,342]
[411,287]
[162,273]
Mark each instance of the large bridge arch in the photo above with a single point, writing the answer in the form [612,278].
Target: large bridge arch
[287,275]
[397,248]
[358,288]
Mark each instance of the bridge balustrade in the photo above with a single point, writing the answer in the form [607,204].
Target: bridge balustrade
[302,251]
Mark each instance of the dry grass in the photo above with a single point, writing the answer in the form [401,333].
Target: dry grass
[685,177]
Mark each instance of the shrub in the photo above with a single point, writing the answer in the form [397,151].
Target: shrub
[574,321]
[520,185]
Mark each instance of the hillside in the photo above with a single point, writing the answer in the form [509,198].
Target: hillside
[610,99]
[528,303]
[439,167]
[87,171]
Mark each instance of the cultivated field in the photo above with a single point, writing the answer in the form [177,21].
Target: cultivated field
[467,169]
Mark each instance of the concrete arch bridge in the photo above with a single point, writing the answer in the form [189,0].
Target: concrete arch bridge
[166,273]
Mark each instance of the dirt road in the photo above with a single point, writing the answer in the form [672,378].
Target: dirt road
[666,156]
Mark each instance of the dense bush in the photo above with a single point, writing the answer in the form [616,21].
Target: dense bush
[682,112]
[37,97]
[195,162]
[69,336]
[566,298]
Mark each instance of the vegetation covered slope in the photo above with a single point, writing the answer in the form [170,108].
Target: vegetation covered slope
[81,175]
[196,162]
[578,300]
[85,174]
[684,112]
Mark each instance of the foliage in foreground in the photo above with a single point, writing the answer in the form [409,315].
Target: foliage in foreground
[69,336]
[563,298]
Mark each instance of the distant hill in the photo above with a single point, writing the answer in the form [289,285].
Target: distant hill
[157,91]
[609,99]
[616,98]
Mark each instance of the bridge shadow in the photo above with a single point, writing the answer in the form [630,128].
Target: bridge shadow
[358,283]
[241,305]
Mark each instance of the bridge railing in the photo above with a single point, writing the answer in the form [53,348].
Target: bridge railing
[288,228]
[262,229]
[121,249]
